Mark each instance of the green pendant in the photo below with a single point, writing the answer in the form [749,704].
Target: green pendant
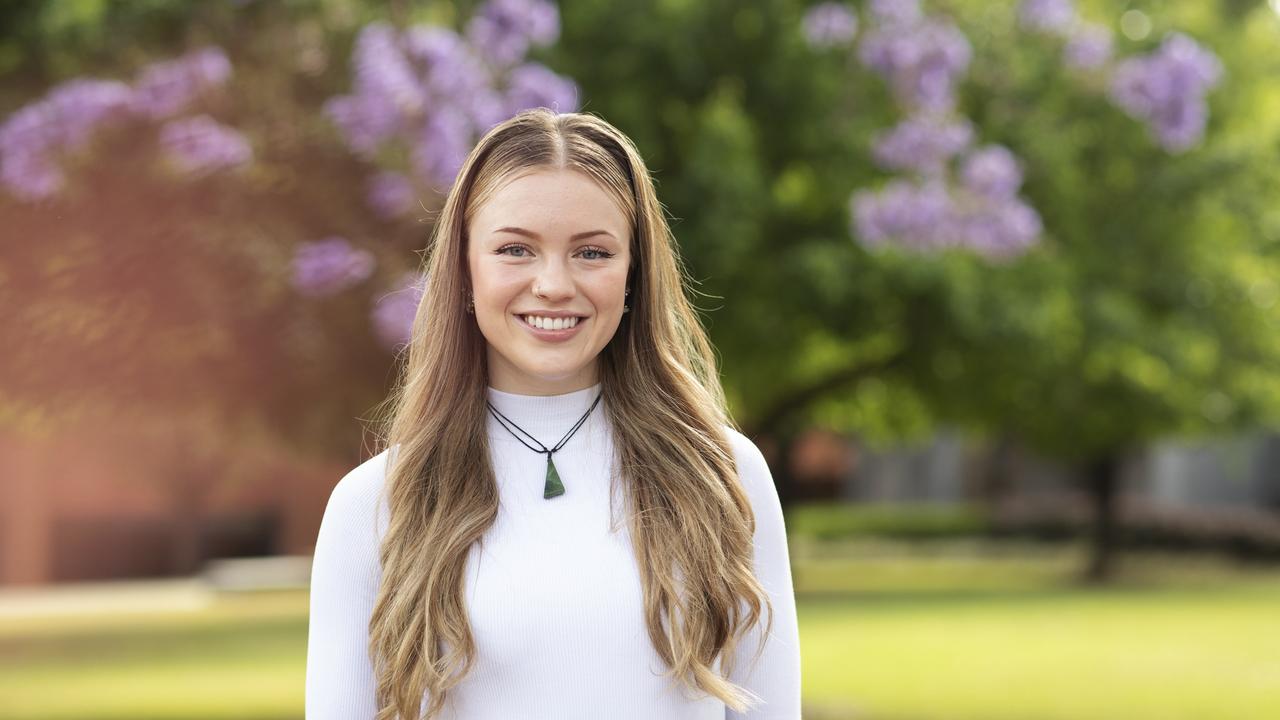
[553,487]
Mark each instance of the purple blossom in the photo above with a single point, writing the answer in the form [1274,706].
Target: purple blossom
[404,85]
[80,106]
[32,128]
[454,75]
[916,216]
[922,58]
[992,172]
[65,120]
[1089,47]
[429,92]
[364,121]
[889,12]
[921,61]
[504,30]
[534,85]
[925,217]
[200,145]
[997,228]
[166,88]
[442,147]
[487,108]
[1048,16]
[27,140]
[1180,126]
[922,144]
[1166,89]
[391,195]
[394,312]
[383,72]
[31,176]
[829,24]
[209,67]
[387,93]
[431,45]
[329,266]
[447,65]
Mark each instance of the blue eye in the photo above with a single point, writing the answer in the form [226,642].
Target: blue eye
[600,253]
[503,250]
[603,254]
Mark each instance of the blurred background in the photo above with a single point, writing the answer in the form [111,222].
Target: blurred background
[993,284]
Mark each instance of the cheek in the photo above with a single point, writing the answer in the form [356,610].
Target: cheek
[495,288]
[610,288]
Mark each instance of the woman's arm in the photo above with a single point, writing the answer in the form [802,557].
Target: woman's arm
[775,676]
[345,573]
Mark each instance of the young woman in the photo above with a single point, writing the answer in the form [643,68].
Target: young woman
[563,521]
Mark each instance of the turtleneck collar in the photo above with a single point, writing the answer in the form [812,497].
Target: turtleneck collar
[547,417]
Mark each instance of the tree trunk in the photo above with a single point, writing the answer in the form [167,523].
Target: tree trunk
[1104,485]
[997,479]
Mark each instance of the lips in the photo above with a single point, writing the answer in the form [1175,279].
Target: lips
[553,335]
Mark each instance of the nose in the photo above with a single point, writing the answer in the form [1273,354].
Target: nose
[553,281]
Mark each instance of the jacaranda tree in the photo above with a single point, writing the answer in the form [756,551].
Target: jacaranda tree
[226,223]
[1038,221]
[1042,221]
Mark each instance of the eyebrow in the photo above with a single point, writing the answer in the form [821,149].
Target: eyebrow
[536,236]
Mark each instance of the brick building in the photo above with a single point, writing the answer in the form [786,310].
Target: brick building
[123,505]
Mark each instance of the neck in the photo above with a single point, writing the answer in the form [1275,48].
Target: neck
[525,385]
[546,417]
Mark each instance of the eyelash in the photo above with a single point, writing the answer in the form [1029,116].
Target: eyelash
[604,254]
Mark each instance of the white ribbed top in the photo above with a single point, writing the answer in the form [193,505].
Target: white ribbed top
[553,591]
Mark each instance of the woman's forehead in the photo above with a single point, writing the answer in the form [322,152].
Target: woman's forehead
[549,197]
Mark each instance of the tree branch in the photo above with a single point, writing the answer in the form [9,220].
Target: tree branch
[798,399]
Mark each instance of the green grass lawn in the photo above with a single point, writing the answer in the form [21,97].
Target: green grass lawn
[888,633]
[1010,638]
[244,658]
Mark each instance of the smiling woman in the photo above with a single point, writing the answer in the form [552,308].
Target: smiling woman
[572,265]
[640,570]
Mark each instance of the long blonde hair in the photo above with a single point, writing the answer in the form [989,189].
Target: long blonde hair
[690,520]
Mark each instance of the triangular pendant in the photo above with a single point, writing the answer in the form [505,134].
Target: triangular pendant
[553,487]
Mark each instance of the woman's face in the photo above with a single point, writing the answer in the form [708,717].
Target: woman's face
[549,243]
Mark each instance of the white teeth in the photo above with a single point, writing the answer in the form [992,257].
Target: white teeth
[550,323]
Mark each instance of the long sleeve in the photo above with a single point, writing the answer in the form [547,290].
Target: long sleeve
[775,677]
[345,573]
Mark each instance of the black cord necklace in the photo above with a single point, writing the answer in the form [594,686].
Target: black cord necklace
[553,486]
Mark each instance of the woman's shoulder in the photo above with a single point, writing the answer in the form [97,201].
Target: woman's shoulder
[366,477]
[757,483]
[357,498]
[753,469]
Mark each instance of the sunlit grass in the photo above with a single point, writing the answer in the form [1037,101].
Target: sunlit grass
[1167,655]
[889,632]
[242,658]
[939,636]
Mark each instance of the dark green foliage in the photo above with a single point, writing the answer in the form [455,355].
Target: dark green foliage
[905,521]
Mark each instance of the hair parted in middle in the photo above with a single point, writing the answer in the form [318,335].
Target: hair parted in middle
[689,518]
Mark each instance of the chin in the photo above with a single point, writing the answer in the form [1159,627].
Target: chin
[552,373]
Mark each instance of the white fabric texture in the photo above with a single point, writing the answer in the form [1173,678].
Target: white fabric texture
[553,594]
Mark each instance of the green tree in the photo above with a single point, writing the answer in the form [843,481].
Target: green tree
[1148,310]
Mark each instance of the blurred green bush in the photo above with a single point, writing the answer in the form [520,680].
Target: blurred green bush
[1237,533]
[898,521]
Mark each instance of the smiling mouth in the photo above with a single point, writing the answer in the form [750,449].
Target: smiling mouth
[552,325]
